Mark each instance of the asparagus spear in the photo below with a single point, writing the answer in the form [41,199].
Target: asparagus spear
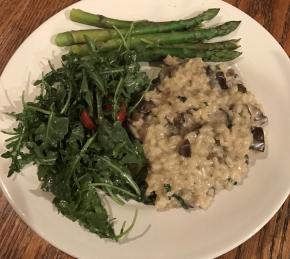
[157,54]
[172,37]
[75,37]
[82,49]
[228,44]
[101,21]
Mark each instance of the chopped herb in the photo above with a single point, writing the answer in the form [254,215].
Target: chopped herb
[167,188]
[181,201]
[229,119]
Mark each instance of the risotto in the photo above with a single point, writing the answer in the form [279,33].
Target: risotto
[199,126]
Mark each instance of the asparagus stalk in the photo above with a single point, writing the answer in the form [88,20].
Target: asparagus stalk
[83,50]
[101,21]
[172,37]
[228,44]
[75,37]
[157,54]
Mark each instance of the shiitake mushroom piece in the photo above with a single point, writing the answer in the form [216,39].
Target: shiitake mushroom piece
[185,148]
[257,115]
[220,77]
[258,139]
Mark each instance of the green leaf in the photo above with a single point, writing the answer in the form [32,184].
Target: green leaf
[87,94]
[54,131]
[121,170]
[89,211]
[43,155]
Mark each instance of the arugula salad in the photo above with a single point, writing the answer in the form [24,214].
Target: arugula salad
[76,130]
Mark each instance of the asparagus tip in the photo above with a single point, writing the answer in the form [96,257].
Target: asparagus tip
[216,10]
[64,39]
[72,12]
[236,54]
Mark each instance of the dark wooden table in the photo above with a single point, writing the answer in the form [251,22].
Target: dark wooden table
[18,18]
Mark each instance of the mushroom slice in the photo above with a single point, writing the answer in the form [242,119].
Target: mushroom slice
[258,139]
[220,77]
[145,107]
[185,149]
[257,115]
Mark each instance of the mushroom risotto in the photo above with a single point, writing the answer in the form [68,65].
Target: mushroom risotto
[199,126]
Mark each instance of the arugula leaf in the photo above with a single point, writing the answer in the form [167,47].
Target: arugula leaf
[52,132]
[42,155]
[88,210]
[87,93]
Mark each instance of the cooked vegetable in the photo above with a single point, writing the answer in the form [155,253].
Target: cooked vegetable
[185,149]
[75,37]
[228,44]
[83,50]
[160,38]
[257,115]
[258,139]
[153,41]
[242,88]
[101,21]
[220,77]
[157,54]
[145,107]
[79,148]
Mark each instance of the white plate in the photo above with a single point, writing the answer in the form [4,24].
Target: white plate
[234,216]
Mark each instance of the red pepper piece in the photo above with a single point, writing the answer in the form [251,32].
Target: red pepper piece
[87,121]
[121,115]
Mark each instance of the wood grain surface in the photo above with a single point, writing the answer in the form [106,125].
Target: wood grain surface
[18,18]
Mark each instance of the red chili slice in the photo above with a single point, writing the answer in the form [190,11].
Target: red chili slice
[121,115]
[87,120]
